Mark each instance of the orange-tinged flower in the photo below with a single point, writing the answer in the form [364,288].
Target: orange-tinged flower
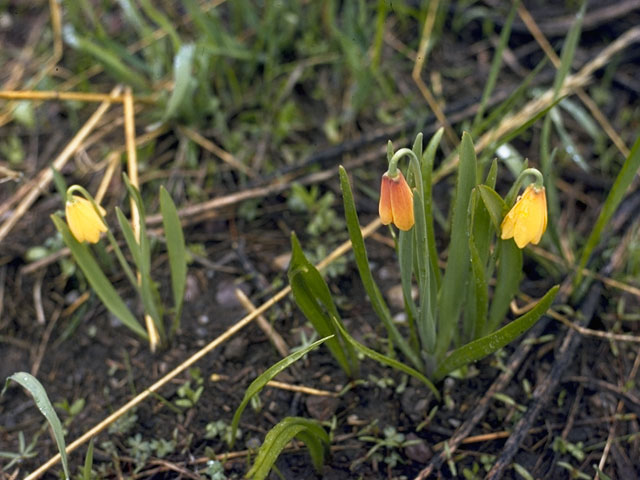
[396,202]
[527,219]
[84,222]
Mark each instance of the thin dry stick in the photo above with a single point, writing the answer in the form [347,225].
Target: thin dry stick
[56,26]
[612,430]
[341,250]
[265,326]
[132,168]
[421,58]
[54,95]
[46,175]
[216,150]
[582,95]
[301,389]
[538,104]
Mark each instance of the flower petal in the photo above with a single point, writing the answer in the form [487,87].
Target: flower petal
[402,203]
[384,207]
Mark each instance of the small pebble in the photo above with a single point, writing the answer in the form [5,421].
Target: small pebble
[322,407]
[420,452]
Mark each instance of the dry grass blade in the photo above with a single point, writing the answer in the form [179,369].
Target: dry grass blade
[132,169]
[582,95]
[537,105]
[42,181]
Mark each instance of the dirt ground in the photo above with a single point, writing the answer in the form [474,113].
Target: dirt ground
[550,404]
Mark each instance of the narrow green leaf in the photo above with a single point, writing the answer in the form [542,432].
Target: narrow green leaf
[496,63]
[623,181]
[362,262]
[148,291]
[603,475]
[97,278]
[35,388]
[111,63]
[427,170]
[426,324]
[88,462]
[546,160]
[307,430]
[383,359]
[182,77]
[494,205]
[130,238]
[507,282]
[258,384]
[454,283]
[163,22]
[176,250]
[481,294]
[61,185]
[313,297]
[484,346]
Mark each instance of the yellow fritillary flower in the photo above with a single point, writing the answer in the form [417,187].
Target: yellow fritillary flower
[84,222]
[527,219]
[396,202]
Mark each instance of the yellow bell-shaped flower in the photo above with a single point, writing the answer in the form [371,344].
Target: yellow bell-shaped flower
[527,219]
[84,222]
[396,202]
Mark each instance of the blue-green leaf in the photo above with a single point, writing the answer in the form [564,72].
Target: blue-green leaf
[177,252]
[35,388]
[309,431]
[362,262]
[507,282]
[313,297]
[620,186]
[380,358]
[258,384]
[182,76]
[454,283]
[484,346]
[97,278]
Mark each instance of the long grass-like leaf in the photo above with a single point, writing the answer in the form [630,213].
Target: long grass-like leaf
[97,278]
[623,180]
[484,346]
[362,262]
[507,282]
[35,388]
[111,62]
[147,287]
[496,63]
[88,462]
[313,297]
[258,384]
[546,163]
[454,282]
[182,76]
[177,252]
[426,164]
[309,431]
[129,238]
[380,358]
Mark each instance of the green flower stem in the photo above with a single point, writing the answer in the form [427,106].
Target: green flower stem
[539,182]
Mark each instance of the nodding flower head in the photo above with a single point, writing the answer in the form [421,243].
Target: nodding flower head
[83,220]
[527,219]
[396,201]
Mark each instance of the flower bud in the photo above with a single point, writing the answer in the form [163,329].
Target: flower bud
[84,222]
[396,202]
[527,219]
